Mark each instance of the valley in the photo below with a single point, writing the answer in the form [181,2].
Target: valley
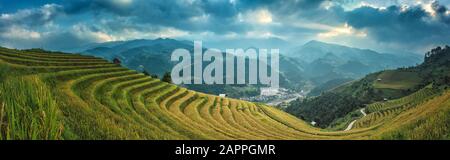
[328,68]
[384,86]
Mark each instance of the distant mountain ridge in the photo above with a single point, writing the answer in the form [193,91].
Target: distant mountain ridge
[327,108]
[324,59]
[314,63]
[314,50]
[111,49]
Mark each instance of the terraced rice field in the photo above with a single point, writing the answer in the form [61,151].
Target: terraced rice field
[397,80]
[100,100]
[383,111]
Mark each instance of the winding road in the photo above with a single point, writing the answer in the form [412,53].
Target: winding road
[350,126]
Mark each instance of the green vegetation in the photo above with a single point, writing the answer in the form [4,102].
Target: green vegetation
[48,95]
[328,86]
[431,122]
[145,72]
[331,108]
[429,128]
[397,80]
[325,109]
[342,123]
[167,78]
[27,110]
[382,111]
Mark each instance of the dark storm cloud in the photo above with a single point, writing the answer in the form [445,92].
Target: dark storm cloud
[290,5]
[402,26]
[217,16]
[220,15]
[178,14]
[408,25]
[198,16]
[441,11]
[96,6]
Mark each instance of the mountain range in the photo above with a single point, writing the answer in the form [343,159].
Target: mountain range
[301,68]
[329,108]
[326,61]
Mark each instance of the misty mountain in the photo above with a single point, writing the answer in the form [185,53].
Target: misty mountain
[324,61]
[313,63]
[154,57]
[266,43]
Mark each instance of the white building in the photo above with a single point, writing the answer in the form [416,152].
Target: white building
[269,91]
[223,95]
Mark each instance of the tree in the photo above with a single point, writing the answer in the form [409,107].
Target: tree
[167,78]
[116,61]
[154,76]
[145,72]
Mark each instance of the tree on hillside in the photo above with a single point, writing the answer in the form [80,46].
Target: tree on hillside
[116,61]
[145,72]
[437,53]
[167,78]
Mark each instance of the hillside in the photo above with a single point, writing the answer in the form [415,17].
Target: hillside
[49,95]
[312,65]
[325,62]
[154,57]
[329,108]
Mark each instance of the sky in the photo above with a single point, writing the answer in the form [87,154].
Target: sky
[382,25]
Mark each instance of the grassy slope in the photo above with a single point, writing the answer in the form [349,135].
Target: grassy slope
[397,80]
[79,97]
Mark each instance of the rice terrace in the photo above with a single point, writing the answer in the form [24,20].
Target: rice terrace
[69,96]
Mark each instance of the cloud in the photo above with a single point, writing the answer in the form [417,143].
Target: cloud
[16,32]
[116,17]
[219,16]
[441,12]
[344,30]
[119,7]
[23,28]
[261,16]
[410,26]
[96,35]
[31,17]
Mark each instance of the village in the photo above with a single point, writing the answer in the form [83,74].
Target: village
[278,97]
